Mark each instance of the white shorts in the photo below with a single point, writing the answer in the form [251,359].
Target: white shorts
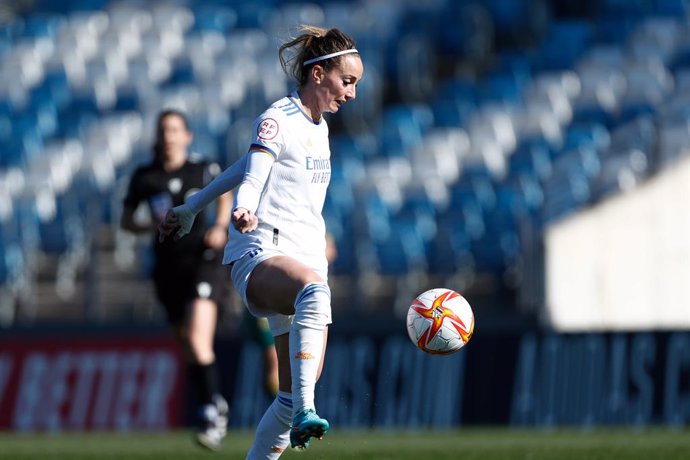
[240,271]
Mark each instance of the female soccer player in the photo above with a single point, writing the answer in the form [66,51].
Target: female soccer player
[277,247]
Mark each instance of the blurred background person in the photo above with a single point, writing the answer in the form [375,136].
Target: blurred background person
[188,276]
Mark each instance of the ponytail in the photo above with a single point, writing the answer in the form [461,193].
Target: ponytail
[314,46]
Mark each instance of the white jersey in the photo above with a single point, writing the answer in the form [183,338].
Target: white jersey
[291,203]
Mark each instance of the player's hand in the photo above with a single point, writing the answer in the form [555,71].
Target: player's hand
[244,220]
[178,221]
[216,237]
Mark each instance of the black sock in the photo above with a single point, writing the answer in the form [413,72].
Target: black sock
[204,378]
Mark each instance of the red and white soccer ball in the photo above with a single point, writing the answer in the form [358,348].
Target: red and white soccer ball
[440,321]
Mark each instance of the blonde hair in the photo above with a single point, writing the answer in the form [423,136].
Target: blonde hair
[312,43]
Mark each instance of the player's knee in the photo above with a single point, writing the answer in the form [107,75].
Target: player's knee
[200,350]
[313,306]
[311,277]
[205,357]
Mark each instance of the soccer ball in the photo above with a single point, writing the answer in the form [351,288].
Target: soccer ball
[440,321]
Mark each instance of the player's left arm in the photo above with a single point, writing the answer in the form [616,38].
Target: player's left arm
[259,166]
[267,145]
[178,221]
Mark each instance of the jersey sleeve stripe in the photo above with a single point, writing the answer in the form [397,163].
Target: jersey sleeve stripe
[264,149]
[291,111]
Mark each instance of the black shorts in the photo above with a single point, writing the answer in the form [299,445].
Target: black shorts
[179,282]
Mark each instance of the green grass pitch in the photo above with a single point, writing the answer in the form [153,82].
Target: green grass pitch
[465,444]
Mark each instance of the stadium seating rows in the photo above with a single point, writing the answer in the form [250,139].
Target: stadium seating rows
[463,137]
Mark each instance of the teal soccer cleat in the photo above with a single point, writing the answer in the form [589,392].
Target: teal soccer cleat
[306,425]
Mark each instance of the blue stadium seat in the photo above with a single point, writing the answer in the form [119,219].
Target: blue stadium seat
[4,265]
[674,140]
[640,133]
[516,63]
[498,247]
[418,213]
[346,259]
[347,146]
[584,160]
[9,242]
[68,6]
[22,228]
[476,188]
[613,28]
[377,214]
[467,31]
[402,251]
[532,157]
[340,197]
[403,127]
[5,126]
[11,263]
[494,253]
[217,18]
[475,225]
[620,171]
[449,113]
[416,201]
[42,25]
[511,204]
[127,99]
[517,19]
[341,227]
[10,31]
[643,98]
[564,43]
[458,89]
[65,230]
[411,66]
[530,192]
[182,73]
[450,250]
[253,14]
[26,142]
[41,121]
[54,88]
[390,256]
[13,153]
[587,133]
[84,102]
[501,88]
[627,8]
[676,8]
[565,193]
[75,123]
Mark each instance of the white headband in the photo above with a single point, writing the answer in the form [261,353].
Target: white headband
[328,56]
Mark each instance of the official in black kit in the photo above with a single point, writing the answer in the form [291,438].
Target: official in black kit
[188,275]
[187,268]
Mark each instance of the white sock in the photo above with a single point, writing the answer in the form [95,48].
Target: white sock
[312,315]
[273,432]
